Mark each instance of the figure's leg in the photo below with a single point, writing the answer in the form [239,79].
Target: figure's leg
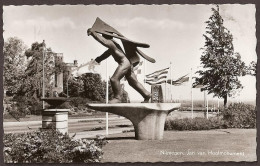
[115,80]
[133,82]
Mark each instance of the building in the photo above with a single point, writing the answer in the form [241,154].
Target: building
[72,66]
[58,78]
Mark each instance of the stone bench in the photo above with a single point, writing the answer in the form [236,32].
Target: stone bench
[148,118]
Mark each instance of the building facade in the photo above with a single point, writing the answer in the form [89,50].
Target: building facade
[57,79]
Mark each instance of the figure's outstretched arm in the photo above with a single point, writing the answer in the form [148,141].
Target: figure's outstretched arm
[104,56]
[104,42]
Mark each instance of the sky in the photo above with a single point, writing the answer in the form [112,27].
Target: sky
[174,33]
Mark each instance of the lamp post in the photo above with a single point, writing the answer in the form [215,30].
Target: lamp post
[43,78]
[68,84]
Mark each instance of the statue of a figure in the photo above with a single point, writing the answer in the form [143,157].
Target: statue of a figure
[126,60]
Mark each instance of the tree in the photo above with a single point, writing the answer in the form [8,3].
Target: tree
[75,87]
[33,79]
[90,86]
[252,69]
[222,66]
[14,64]
[94,87]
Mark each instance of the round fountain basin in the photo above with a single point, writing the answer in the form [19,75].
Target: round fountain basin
[55,101]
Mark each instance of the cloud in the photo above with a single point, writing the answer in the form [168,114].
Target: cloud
[160,24]
[45,24]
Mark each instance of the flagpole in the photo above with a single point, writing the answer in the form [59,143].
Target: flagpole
[165,92]
[207,107]
[144,74]
[191,95]
[205,104]
[171,80]
[218,106]
[107,96]
[43,78]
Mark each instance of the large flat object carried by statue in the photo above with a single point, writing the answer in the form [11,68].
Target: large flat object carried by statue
[130,46]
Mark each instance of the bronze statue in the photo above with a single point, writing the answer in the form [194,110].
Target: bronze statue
[126,60]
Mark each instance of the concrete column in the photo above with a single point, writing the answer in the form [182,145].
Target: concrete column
[56,117]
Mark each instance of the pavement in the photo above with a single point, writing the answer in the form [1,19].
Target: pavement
[184,146]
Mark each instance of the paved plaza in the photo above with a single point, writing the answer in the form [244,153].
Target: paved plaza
[184,146]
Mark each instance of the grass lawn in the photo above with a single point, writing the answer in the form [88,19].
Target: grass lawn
[183,146]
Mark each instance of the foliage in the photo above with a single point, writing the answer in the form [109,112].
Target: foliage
[252,68]
[34,72]
[14,64]
[75,87]
[127,131]
[90,86]
[124,95]
[222,66]
[194,124]
[60,67]
[50,146]
[23,105]
[94,87]
[88,151]
[15,112]
[239,115]
[20,107]
[77,103]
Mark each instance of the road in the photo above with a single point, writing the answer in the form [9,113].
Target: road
[75,125]
[83,126]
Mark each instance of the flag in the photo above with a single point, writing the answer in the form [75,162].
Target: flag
[88,67]
[157,77]
[179,81]
[155,83]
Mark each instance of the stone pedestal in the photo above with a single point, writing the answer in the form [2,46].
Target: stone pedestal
[58,118]
[148,118]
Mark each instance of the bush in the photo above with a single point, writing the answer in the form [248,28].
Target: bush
[194,124]
[28,105]
[50,146]
[79,102]
[15,112]
[240,115]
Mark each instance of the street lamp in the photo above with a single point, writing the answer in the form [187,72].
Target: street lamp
[68,84]
[43,85]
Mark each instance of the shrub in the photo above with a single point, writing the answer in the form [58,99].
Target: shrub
[28,105]
[79,101]
[240,115]
[88,151]
[128,131]
[50,146]
[194,124]
[15,112]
